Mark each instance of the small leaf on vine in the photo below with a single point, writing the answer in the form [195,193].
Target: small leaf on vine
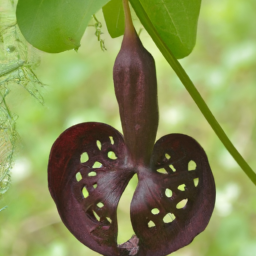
[98,33]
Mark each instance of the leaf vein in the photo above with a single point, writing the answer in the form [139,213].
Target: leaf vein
[174,25]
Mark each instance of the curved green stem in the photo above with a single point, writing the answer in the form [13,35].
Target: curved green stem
[191,89]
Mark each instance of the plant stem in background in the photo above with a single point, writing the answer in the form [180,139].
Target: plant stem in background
[192,90]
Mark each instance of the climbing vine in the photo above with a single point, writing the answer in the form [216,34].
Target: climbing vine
[17,63]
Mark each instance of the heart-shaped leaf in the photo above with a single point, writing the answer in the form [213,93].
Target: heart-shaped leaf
[174,20]
[55,26]
[114,17]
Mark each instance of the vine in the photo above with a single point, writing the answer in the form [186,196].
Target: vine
[190,87]
[17,62]
[98,33]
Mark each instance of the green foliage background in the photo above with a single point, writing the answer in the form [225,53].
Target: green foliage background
[80,89]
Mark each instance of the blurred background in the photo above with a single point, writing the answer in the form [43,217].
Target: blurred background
[79,88]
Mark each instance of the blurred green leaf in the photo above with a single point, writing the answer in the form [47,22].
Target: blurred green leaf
[114,17]
[55,26]
[175,21]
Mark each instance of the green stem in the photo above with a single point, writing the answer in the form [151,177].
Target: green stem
[6,106]
[191,89]
[6,69]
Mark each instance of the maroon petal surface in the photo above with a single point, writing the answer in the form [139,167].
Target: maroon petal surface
[87,191]
[88,170]
[175,199]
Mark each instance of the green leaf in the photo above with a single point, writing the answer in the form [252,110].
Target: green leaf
[175,21]
[114,17]
[55,25]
